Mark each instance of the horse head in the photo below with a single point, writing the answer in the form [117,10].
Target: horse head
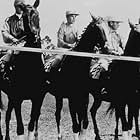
[93,36]
[31,21]
[132,45]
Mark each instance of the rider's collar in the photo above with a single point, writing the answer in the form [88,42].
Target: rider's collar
[112,31]
[19,15]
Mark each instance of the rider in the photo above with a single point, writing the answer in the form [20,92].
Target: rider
[68,32]
[13,30]
[67,36]
[114,44]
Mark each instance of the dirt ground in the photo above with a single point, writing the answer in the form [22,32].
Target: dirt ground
[47,124]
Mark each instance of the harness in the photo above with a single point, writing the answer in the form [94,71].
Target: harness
[33,18]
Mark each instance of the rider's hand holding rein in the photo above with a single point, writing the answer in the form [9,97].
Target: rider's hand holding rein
[13,29]
[68,32]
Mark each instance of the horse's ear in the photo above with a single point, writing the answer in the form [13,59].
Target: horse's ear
[36,4]
[94,19]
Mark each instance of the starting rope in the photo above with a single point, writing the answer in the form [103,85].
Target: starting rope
[62,51]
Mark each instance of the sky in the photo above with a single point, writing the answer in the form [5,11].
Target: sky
[52,13]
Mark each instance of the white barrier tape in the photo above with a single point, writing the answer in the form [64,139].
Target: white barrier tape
[73,53]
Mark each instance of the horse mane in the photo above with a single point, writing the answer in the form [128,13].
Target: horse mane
[91,37]
[84,38]
[132,46]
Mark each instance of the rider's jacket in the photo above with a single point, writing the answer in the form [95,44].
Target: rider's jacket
[67,34]
[114,43]
[13,28]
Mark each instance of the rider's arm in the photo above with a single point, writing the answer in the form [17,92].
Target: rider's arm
[7,37]
[60,38]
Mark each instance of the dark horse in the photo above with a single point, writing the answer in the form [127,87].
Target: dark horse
[27,79]
[72,80]
[118,80]
[96,91]
[124,80]
[97,85]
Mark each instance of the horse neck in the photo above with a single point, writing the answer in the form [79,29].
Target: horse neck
[132,46]
[92,37]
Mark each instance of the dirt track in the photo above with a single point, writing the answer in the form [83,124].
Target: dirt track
[47,124]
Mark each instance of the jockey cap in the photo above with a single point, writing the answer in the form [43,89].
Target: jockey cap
[71,13]
[19,2]
[115,19]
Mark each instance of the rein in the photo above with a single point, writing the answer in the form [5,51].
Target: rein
[72,53]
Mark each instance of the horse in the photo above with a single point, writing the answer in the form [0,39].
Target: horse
[27,78]
[100,90]
[70,78]
[99,93]
[124,92]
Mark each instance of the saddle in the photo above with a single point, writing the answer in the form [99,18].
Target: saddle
[99,68]
[6,69]
[7,61]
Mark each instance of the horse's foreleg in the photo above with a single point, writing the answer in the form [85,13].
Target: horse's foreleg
[1,137]
[121,109]
[136,116]
[83,116]
[8,117]
[73,112]
[132,109]
[39,105]
[20,126]
[35,113]
[59,105]
[93,110]
[32,122]
[117,124]
[36,129]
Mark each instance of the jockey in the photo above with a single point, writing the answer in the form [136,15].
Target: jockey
[67,36]
[68,33]
[13,30]
[114,44]
[13,33]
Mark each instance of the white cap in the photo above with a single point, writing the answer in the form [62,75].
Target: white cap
[71,13]
[18,2]
[116,19]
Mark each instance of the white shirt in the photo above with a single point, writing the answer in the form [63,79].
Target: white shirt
[67,33]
